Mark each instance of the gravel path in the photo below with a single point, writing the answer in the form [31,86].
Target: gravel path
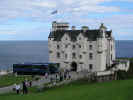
[74,76]
[34,83]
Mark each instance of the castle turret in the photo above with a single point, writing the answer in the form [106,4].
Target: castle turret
[100,39]
[101,48]
[103,30]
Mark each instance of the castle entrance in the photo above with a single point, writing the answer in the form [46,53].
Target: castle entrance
[73,66]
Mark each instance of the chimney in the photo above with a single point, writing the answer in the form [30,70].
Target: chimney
[73,28]
[85,28]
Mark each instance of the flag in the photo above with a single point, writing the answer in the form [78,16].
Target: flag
[54,12]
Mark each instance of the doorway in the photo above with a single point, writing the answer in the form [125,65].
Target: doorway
[73,66]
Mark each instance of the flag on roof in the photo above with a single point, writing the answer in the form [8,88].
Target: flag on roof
[54,12]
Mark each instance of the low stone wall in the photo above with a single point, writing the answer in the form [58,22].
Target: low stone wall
[105,78]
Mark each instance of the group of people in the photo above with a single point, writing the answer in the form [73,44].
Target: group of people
[25,85]
[54,78]
[60,76]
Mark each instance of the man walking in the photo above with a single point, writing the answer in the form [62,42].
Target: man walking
[25,90]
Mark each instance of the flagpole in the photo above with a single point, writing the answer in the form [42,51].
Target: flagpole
[53,14]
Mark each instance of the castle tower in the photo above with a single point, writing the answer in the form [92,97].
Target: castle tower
[101,48]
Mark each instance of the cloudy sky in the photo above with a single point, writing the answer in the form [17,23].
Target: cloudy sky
[31,19]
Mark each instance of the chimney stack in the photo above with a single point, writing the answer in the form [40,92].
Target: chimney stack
[73,28]
[85,28]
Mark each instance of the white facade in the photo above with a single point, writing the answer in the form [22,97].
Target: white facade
[79,50]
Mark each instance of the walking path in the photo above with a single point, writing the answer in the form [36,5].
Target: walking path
[34,83]
[42,81]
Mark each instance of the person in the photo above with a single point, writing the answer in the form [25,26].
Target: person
[69,76]
[17,88]
[56,77]
[46,75]
[25,89]
[64,75]
[30,83]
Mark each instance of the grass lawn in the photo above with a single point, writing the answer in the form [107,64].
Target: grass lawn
[11,79]
[115,90]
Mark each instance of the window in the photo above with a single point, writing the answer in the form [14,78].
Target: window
[66,46]
[80,56]
[111,57]
[58,64]
[66,56]
[73,55]
[58,55]
[79,46]
[58,47]
[50,51]
[90,55]
[90,66]
[90,41]
[90,47]
[74,47]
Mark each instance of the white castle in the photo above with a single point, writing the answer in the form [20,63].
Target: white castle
[85,49]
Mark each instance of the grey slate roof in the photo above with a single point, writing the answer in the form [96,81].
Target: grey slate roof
[90,34]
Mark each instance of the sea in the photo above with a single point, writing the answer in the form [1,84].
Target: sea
[12,52]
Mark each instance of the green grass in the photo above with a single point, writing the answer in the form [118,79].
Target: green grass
[11,79]
[115,90]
